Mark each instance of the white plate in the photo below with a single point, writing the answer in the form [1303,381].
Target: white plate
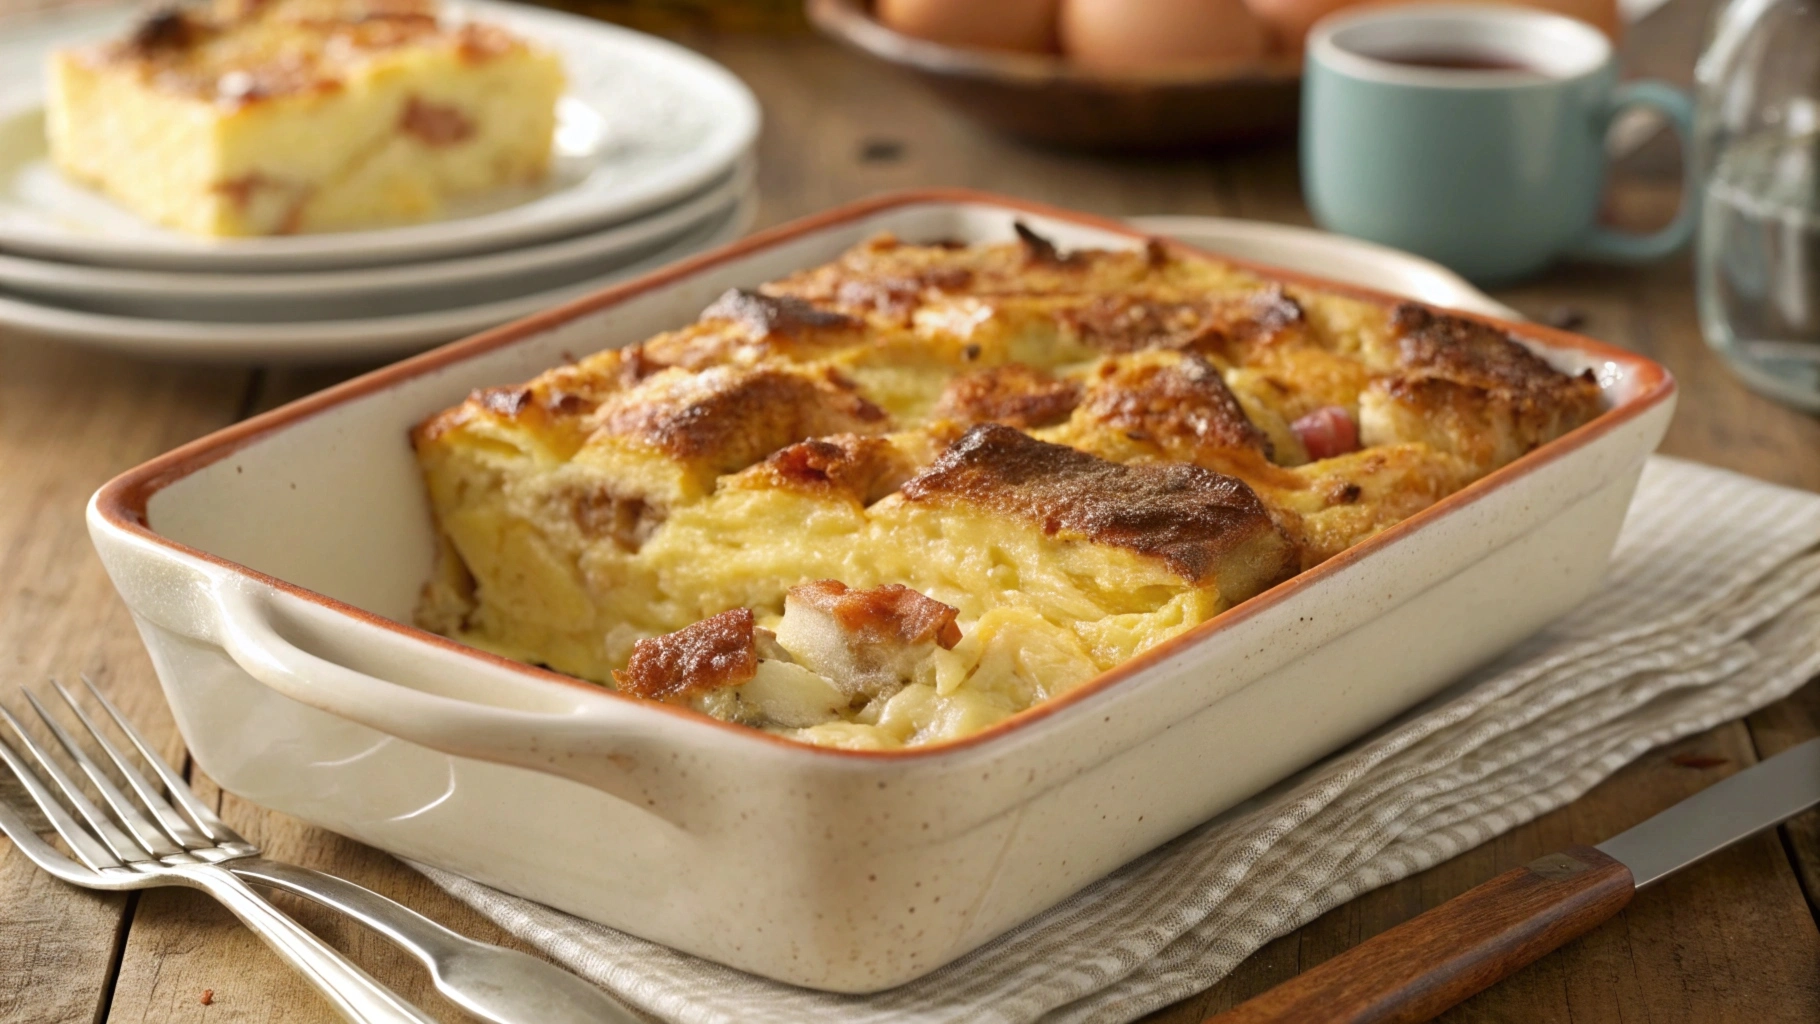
[645,122]
[337,340]
[1334,257]
[373,291]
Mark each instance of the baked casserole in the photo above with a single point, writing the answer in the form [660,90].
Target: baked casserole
[261,117]
[895,499]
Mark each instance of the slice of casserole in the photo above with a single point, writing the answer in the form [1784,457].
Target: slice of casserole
[262,117]
[898,498]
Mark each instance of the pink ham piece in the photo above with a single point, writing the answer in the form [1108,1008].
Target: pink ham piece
[1327,432]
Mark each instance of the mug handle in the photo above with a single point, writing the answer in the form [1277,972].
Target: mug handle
[1613,246]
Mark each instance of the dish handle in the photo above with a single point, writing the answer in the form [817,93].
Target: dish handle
[417,694]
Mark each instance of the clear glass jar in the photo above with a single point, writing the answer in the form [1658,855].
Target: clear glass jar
[1758,142]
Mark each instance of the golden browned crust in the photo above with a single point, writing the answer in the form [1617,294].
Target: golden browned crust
[565,393]
[1190,518]
[868,280]
[1133,322]
[242,51]
[1038,249]
[720,650]
[478,42]
[1177,402]
[763,315]
[1127,323]
[893,613]
[1470,389]
[1267,314]
[730,418]
[747,327]
[890,279]
[1476,355]
[163,31]
[898,297]
[857,467]
[507,402]
[1013,394]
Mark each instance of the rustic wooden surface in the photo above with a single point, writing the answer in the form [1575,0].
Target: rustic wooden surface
[1431,962]
[1731,940]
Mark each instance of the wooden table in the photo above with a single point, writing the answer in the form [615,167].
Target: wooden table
[1731,940]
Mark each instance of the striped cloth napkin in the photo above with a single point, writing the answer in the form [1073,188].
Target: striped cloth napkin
[1711,610]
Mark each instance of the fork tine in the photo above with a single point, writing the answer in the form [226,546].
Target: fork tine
[86,847]
[126,813]
[39,852]
[198,812]
[99,824]
[173,824]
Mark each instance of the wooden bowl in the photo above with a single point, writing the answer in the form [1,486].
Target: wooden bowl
[1045,99]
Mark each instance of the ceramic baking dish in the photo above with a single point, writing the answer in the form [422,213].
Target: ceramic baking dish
[272,567]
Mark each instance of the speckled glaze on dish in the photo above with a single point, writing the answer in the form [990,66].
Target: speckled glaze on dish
[270,567]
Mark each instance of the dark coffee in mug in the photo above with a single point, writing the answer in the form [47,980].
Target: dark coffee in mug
[1461,62]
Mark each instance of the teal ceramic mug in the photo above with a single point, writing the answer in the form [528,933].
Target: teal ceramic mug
[1473,135]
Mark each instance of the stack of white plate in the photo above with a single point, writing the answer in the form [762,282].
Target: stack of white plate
[653,163]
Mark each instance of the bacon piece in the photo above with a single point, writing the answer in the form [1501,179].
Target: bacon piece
[719,651]
[435,124]
[1327,432]
[892,613]
[626,520]
[240,191]
[867,642]
[860,467]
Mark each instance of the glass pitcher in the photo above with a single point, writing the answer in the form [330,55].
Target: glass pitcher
[1758,138]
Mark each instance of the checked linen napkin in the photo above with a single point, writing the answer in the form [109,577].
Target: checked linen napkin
[1711,610]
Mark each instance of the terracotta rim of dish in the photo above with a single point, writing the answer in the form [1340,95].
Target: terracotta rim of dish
[122,501]
[850,22]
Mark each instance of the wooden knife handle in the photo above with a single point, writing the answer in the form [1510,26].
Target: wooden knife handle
[1425,965]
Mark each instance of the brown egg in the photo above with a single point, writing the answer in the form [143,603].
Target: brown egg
[1134,36]
[1027,25]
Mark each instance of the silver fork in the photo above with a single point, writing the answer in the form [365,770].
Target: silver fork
[195,848]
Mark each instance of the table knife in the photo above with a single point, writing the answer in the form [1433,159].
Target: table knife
[1425,965]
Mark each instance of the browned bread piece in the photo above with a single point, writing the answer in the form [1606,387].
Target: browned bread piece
[1013,394]
[1465,387]
[1205,526]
